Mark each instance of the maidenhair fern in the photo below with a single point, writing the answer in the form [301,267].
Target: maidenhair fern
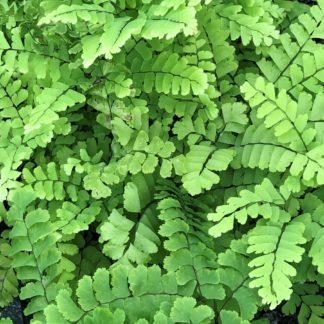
[162,161]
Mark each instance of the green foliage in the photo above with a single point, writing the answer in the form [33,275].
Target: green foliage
[5,321]
[273,270]
[161,161]
[129,295]
[310,304]
[34,252]
[234,276]
[9,282]
[191,251]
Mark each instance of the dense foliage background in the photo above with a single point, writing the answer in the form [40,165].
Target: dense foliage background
[162,161]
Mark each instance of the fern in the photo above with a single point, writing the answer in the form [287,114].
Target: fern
[8,280]
[313,205]
[311,306]
[247,27]
[175,147]
[168,73]
[200,165]
[297,62]
[280,113]
[258,142]
[234,275]
[190,256]
[36,258]
[49,102]
[273,271]
[162,22]
[23,54]
[127,290]
[265,201]
[72,218]
[71,14]
[127,241]
[54,183]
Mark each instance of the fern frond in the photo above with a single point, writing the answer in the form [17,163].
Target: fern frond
[90,13]
[234,275]
[200,167]
[315,230]
[137,195]
[297,64]
[259,149]
[21,53]
[12,94]
[111,83]
[34,251]
[141,153]
[96,45]
[162,161]
[169,73]
[53,182]
[215,36]
[306,301]
[278,246]
[178,106]
[8,279]
[236,181]
[137,293]
[316,116]
[191,257]
[264,200]
[12,155]
[248,28]
[49,103]
[126,241]
[279,112]
[162,23]
[72,219]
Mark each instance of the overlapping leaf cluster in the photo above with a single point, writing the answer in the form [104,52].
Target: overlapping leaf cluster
[162,161]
